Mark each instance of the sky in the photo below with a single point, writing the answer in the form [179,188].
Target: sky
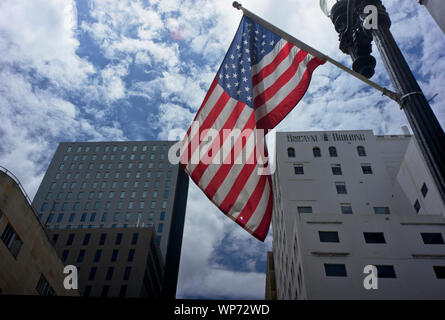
[126,70]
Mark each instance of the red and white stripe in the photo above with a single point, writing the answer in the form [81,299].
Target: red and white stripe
[279,81]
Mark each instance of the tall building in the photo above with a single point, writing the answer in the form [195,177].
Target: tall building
[29,265]
[437,10]
[348,199]
[118,185]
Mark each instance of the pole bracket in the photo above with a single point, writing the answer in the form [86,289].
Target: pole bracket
[403,97]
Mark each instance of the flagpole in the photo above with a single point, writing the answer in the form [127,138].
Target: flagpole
[392,95]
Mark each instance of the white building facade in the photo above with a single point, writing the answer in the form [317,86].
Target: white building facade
[348,199]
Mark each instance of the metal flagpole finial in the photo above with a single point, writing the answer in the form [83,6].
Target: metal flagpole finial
[237,5]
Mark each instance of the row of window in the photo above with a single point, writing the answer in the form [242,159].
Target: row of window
[383,271]
[332,152]
[345,208]
[97,205]
[98,255]
[105,291]
[379,237]
[99,195]
[104,185]
[336,169]
[113,157]
[424,191]
[116,175]
[115,148]
[105,217]
[101,166]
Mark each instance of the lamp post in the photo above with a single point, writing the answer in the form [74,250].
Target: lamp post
[348,17]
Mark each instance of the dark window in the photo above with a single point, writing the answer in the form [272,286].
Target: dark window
[341,188]
[332,152]
[336,170]
[134,240]
[386,272]
[11,240]
[55,238]
[81,255]
[304,209]
[123,291]
[424,190]
[432,238]
[298,169]
[127,273]
[103,237]
[43,287]
[118,238]
[316,151]
[328,236]
[105,290]
[346,209]
[417,206]
[361,151]
[439,271]
[92,273]
[374,237]
[65,255]
[366,168]
[291,152]
[109,273]
[87,291]
[130,255]
[97,255]
[114,255]
[86,239]
[381,210]
[335,270]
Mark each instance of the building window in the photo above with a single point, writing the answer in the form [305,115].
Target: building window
[332,152]
[92,274]
[291,152]
[336,169]
[417,206]
[134,240]
[328,236]
[304,209]
[162,216]
[86,239]
[424,190]
[11,240]
[98,255]
[55,238]
[87,291]
[335,270]
[374,237]
[123,291]
[316,151]
[109,275]
[118,238]
[127,273]
[81,255]
[102,239]
[114,255]
[346,208]
[298,169]
[385,271]
[130,255]
[439,271]
[160,227]
[381,210]
[341,188]
[70,239]
[366,168]
[432,238]
[65,255]
[361,151]
[44,288]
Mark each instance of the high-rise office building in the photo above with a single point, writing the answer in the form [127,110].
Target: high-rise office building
[437,10]
[345,200]
[118,185]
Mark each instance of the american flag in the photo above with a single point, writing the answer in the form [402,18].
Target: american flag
[259,82]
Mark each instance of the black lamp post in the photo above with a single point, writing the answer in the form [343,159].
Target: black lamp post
[348,17]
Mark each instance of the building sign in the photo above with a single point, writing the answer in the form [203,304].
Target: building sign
[327,137]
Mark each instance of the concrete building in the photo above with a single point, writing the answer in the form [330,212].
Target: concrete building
[29,265]
[348,199]
[437,10]
[118,185]
[121,262]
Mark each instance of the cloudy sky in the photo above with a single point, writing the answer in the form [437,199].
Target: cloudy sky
[94,70]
